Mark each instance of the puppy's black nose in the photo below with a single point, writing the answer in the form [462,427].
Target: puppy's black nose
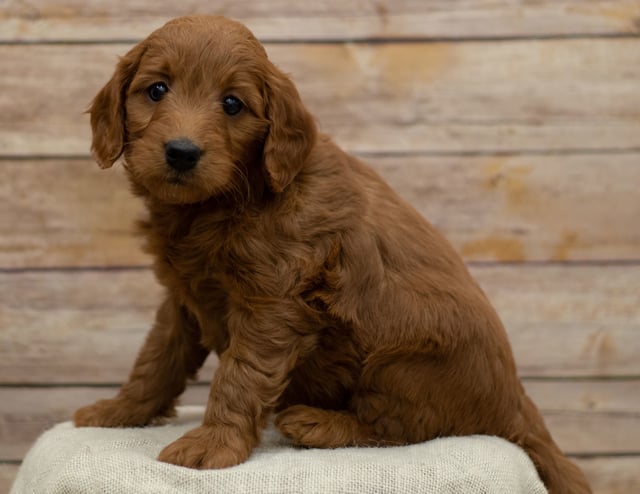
[182,154]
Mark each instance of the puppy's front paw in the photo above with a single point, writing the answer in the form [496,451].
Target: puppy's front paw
[207,447]
[117,412]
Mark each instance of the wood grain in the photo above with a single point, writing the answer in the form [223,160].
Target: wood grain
[67,213]
[539,95]
[596,426]
[86,326]
[505,208]
[566,321]
[325,20]
[8,474]
[601,418]
[613,475]
[525,207]
[59,329]
[587,396]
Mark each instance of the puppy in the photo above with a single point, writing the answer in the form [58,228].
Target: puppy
[329,300]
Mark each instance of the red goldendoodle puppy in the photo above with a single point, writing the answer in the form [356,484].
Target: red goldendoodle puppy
[329,300]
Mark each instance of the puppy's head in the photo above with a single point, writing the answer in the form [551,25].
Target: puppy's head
[197,107]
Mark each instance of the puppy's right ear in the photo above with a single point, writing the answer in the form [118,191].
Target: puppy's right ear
[108,113]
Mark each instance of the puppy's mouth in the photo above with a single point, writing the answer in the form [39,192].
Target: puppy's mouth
[169,186]
[182,183]
[177,184]
[182,187]
[178,190]
[178,180]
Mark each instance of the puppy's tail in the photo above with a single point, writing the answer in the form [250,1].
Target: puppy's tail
[558,474]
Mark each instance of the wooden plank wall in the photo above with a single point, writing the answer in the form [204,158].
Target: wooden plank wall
[513,125]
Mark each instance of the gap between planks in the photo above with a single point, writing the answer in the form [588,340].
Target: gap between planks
[471,263]
[348,40]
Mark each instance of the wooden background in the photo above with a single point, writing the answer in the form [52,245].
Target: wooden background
[514,126]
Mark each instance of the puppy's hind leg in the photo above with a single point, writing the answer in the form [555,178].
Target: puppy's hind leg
[390,407]
[320,428]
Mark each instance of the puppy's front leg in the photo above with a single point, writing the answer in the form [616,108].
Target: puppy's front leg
[253,373]
[170,355]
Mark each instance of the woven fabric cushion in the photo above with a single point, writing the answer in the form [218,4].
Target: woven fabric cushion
[89,460]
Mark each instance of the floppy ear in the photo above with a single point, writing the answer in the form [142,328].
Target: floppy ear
[292,131]
[107,111]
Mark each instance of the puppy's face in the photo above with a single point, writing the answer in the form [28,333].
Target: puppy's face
[197,107]
[195,113]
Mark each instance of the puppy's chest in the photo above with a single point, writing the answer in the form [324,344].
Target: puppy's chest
[201,261]
[189,270]
[188,259]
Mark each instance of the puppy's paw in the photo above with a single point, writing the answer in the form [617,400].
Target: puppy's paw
[207,447]
[117,412]
[302,424]
[319,428]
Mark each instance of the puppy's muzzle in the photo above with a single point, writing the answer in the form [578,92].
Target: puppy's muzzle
[182,155]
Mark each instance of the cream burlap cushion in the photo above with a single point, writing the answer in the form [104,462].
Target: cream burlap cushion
[90,460]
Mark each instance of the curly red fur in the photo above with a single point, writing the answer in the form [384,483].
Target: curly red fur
[329,300]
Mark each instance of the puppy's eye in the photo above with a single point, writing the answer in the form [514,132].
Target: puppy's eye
[232,105]
[157,90]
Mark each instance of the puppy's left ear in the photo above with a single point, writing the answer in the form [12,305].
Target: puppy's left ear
[292,131]
[107,111]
